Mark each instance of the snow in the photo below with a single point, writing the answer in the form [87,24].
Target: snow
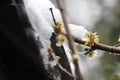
[43,6]
[78,31]
[43,29]
[68,51]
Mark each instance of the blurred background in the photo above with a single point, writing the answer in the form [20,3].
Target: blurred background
[103,17]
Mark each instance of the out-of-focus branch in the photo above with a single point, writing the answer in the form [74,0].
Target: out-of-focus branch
[70,41]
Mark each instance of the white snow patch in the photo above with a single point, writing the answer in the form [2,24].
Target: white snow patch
[78,31]
[43,29]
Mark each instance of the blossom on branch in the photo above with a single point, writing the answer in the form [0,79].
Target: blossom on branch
[91,38]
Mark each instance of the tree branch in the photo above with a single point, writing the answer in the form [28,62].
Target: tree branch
[100,46]
[70,42]
[65,71]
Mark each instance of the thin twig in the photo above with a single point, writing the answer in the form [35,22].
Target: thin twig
[90,50]
[70,41]
[53,16]
[64,70]
[60,66]
[51,56]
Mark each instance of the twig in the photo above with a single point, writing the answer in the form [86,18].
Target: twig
[51,56]
[90,50]
[64,70]
[70,41]
[59,65]
[53,16]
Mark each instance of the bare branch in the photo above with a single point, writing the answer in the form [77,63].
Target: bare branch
[65,71]
[70,41]
[66,26]
[52,57]
[53,15]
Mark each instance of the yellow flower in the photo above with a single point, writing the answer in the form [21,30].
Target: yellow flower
[75,57]
[50,49]
[91,38]
[92,54]
[60,39]
[58,28]
[52,55]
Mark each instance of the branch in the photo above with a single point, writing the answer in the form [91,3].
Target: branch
[64,58]
[64,70]
[59,65]
[70,41]
[53,16]
[100,46]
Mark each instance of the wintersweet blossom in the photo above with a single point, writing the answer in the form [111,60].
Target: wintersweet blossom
[91,38]
[92,54]
[60,39]
[50,49]
[58,27]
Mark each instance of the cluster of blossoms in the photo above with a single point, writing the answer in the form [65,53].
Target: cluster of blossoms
[60,39]
[59,30]
[91,38]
